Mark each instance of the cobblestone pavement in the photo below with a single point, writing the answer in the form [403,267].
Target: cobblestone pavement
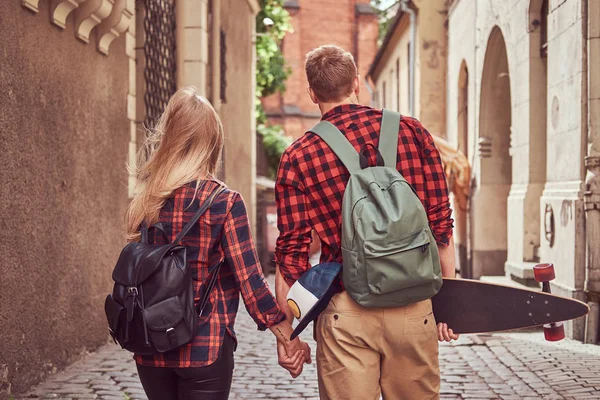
[499,366]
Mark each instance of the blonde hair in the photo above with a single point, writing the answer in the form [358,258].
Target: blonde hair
[330,71]
[185,146]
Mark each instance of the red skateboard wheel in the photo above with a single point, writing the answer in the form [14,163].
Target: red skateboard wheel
[554,332]
[544,272]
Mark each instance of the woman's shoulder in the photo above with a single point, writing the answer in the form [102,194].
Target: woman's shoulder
[227,198]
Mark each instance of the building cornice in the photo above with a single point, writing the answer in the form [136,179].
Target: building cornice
[110,18]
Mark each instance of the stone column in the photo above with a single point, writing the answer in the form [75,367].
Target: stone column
[192,44]
[592,227]
[591,197]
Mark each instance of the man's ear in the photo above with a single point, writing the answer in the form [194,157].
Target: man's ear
[312,95]
[357,85]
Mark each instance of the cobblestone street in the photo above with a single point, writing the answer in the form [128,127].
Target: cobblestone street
[500,366]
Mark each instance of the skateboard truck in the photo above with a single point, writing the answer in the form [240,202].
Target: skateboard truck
[544,273]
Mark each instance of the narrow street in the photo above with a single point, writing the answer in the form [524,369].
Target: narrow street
[499,366]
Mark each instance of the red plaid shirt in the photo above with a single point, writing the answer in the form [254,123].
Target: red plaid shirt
[311,182]
[222,234]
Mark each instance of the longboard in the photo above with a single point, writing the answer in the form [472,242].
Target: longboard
[470,306]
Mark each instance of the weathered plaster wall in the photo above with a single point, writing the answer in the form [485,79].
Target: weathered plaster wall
[63,143]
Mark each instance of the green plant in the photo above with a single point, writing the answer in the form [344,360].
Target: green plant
[275,142]
[271,74]
[271,70]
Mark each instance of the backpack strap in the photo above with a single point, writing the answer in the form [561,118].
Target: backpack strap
[338,144]
[388,137]
[197,215]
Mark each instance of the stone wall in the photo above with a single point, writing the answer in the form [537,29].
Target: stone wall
[64,142]
[237,111]
[350,24]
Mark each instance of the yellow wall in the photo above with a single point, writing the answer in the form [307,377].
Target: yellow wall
[430,67]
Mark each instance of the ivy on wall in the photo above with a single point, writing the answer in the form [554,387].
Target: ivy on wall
[272,23]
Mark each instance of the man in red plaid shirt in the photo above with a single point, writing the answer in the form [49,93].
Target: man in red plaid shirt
[361,352]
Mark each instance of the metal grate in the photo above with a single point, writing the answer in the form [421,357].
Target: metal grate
[159,51]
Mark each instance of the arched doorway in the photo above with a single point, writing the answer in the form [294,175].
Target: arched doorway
[489,207]
[461,208]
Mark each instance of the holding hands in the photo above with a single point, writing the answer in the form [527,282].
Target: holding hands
[291,354]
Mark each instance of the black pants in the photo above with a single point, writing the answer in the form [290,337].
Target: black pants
[204,383]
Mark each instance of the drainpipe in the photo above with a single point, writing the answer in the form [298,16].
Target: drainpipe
[411,64]
[591,197]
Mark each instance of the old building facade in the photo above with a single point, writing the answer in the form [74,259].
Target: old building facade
[79,80]
[522,103]
[412,80]
[351,24]
[408,78]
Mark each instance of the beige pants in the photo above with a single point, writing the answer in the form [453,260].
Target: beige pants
[363,353]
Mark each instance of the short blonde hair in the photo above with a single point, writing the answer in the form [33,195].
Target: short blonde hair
[330,71]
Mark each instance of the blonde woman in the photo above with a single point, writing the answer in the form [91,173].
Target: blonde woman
[182,157]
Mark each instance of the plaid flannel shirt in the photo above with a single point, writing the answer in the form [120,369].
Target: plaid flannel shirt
[311,181]
[222,234]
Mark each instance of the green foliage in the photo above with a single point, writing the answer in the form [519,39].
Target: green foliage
[271,74]
[271,70]
[275,143]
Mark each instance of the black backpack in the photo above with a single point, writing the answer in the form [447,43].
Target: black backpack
[151,309]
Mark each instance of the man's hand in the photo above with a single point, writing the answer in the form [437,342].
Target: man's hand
[445,334]
[294,363]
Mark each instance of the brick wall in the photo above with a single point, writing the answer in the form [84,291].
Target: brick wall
[346,23]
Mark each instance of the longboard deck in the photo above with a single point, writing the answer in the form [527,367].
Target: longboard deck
[470,306]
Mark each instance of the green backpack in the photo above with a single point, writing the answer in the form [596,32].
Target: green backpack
[390,255]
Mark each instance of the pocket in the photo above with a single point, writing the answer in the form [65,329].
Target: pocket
[350,271]
[167,327]
[115,312]
[341,325]
[399,264]
[420,319]
[164,315]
